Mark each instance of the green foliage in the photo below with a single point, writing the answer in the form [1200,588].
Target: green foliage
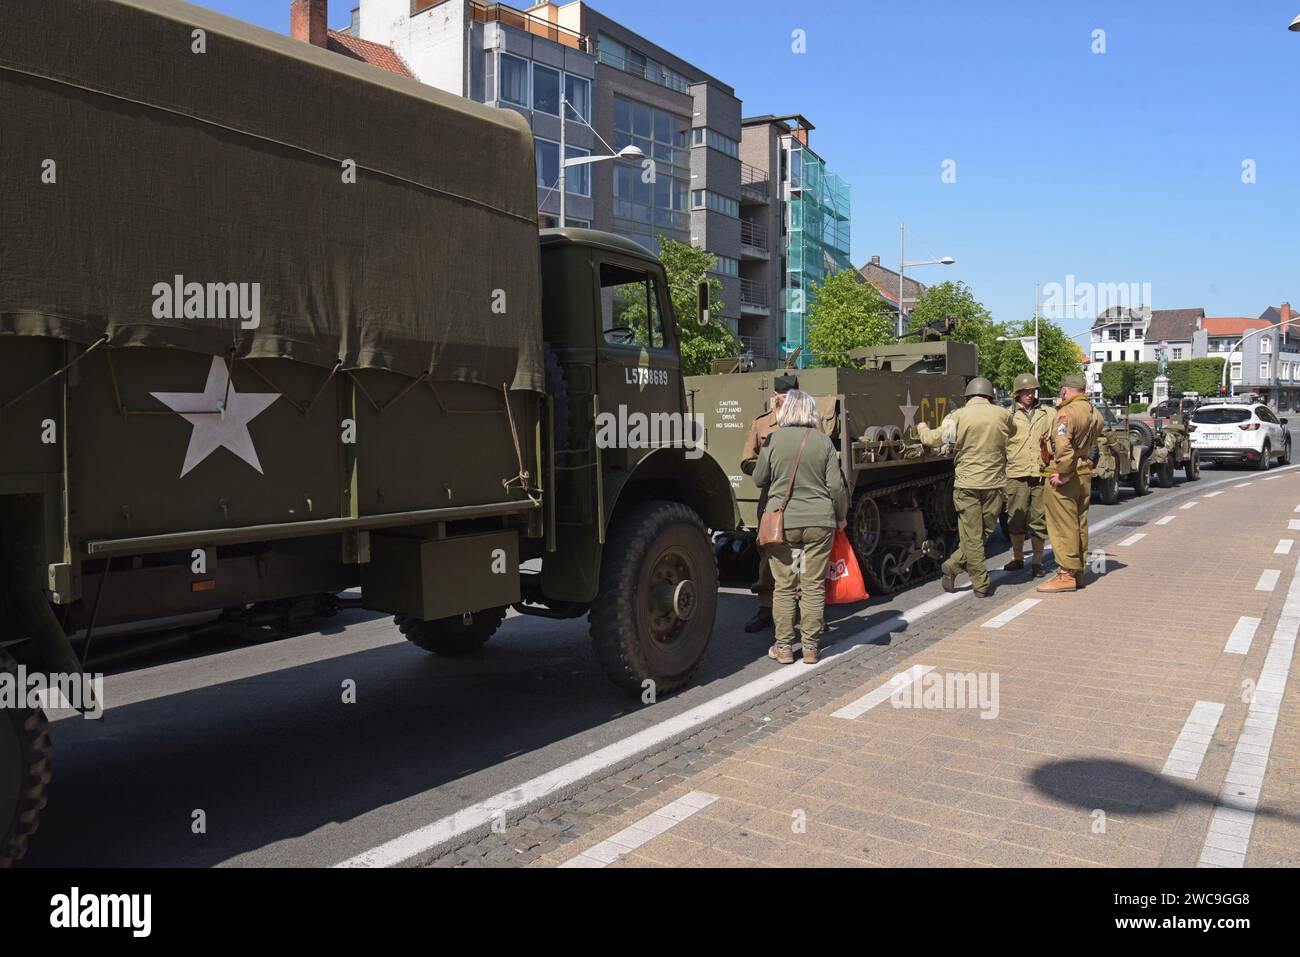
[1058,356]
[1202,376]
[686,266]
[973,323]
[846,313]
[1138,407]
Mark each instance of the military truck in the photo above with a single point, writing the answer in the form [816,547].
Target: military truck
[902,521]
[254,354]
[1171,449]
[1122,453]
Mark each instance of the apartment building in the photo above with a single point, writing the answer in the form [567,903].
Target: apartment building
[1121,334]
[1263,354]
[618,89]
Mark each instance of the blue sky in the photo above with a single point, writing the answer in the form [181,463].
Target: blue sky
[1123,166]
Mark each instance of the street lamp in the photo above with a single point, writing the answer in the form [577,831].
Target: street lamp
[903,264]
[628,152]
[1295,25]
[1037,302]
[1223,383]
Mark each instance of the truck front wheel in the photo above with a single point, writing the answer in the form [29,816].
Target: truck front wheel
[653,616]
[24,771]
[454,636]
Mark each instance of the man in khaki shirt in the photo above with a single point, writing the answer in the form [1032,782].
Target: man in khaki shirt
[978,432]
[1070,485]
[1025,481]
[759,430]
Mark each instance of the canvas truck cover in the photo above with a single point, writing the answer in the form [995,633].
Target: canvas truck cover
[134,151]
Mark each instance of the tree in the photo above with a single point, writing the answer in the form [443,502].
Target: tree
[700,344]
[1059,356]
[846,313]
[972,321]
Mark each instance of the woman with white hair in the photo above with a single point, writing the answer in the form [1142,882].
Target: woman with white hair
[800,468]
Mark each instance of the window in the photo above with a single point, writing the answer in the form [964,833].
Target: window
[702,136]
[546,89]
[514,81]
[1098,357]
[577,90]
[726,266]
[577,179]
[1235,372]
[1263,370]
[1265,414]
[1108,355]
[629,302]
[643,209]
[1178,353]
[1265,346]
[1217,415]
[707,199]
[1122,353]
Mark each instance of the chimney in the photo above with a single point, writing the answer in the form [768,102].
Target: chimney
[309,21]
[875,260]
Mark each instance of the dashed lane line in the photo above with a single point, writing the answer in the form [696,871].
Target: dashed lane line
[1283,546]
[1243,633]
[1268,580]
[1132,540]
[1012,613]
[1189,505]
[1166,520]
[642,832]
[1188,752]
[856,709]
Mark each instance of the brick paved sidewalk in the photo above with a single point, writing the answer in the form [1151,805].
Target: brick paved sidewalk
[1113,728]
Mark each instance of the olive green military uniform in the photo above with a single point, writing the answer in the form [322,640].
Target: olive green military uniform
[1025,481]
[979,432]
[755,439]
[1076,429]
[818,502]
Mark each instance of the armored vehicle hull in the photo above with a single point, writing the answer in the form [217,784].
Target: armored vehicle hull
[901,517]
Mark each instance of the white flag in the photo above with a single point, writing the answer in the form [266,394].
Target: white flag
[1030,345]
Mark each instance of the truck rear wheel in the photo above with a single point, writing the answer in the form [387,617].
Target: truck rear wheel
[1164,474]
[653,615]
[1108,490]
[1142,477]
[452,637]
[25,755]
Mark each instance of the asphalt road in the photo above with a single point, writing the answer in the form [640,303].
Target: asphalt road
[260,740]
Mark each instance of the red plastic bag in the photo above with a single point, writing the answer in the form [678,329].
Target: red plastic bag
[844,583]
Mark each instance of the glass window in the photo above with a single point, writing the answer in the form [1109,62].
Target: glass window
[1266,414]
[546,89]
[548,162]
[577,90]
[1235,372]
[1098,356]
[1266,346]
[1263,370]
[514,80]
[629,302]
[577,179]
[1178,353]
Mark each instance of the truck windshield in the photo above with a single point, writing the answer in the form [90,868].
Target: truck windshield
[1220,416]
[629,305]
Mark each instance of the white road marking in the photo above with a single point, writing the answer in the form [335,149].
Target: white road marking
[1189,505]
[1188,752]
[1242,485]
[1243,633]
[1166,520]
[1293,525]
[642,832]
[1132,540]
[1272,477]
[857,709]
[1283,546]
[1297,508]
[1015,611]
[1212,494]
[1228,838]
[482,813]
[1268,580]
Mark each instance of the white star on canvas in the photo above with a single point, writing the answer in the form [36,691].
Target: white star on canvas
[227,430]
[909,411]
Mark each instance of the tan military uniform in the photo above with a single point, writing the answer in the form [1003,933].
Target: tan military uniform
[1076,429]
[1025,480]
[978,431]
[759,430]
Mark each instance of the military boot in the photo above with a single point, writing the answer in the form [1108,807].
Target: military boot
[1064,581]
[949,577]
[1038,558]
[1018,550]
[1079,579]
[761,621]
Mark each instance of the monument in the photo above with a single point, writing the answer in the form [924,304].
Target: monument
[1160,387]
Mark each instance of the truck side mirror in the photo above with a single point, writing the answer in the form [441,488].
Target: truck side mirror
[702,304]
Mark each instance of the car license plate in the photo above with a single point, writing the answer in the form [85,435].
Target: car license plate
[1217,437]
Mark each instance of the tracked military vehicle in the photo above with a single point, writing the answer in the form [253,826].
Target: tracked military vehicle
[252,355]
[902,521]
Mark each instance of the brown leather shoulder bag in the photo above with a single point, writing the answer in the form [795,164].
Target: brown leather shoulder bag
[771,525]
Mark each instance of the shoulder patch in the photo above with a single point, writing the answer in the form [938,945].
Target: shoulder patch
[1060,428]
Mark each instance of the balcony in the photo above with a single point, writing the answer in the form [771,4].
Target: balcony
[640,67]
[754,186]
[753,298]
[753,240]
[755,346]
[528,22]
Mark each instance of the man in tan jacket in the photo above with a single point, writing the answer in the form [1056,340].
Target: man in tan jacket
[1025,516]
[978,432]
[1070,485]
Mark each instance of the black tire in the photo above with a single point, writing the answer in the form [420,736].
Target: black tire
[452,637]
[651,553]
[1142,477]
[1141,434]
[1286,453]
[1265,458]
[25,762]
[557,387]
[1192,468]
[1165,474]
[1108,490]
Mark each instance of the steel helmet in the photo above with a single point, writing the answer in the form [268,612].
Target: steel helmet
[980,386]
[1025,381]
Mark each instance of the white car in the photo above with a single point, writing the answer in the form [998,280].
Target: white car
[1244,432]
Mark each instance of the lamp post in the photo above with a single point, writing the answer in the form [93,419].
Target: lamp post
[902,266]
[1295,25]
[1227,362]
[627,152]
[1037,303]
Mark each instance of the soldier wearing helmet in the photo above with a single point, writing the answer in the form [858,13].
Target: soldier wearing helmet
[1025,510]
[978,433]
